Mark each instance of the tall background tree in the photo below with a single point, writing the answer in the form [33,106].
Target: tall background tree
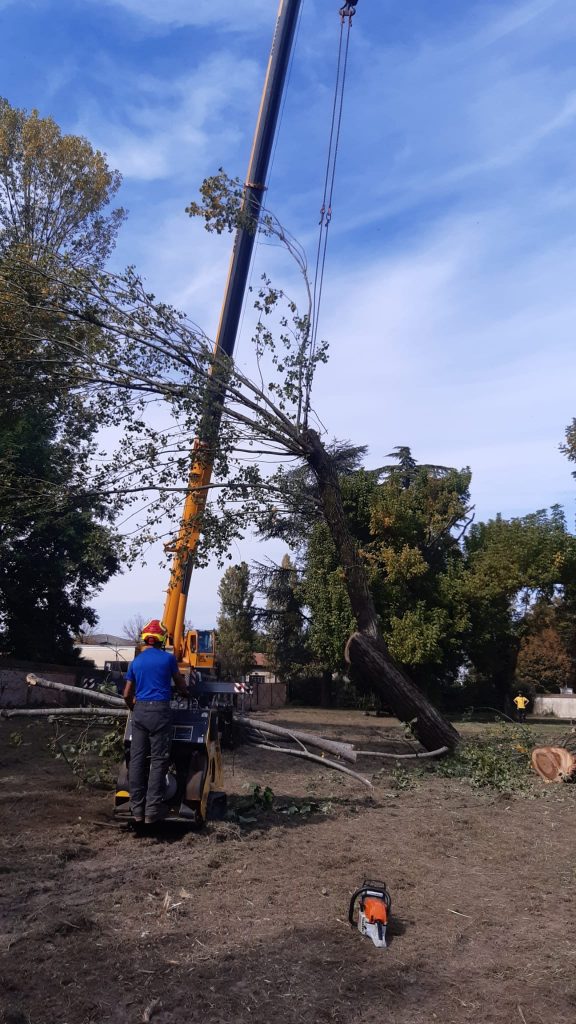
[132,628]
[282,619]
[471,610]
[407,520]
[56,547]
[544,663]
[512,566]
[55,191]
[236,622]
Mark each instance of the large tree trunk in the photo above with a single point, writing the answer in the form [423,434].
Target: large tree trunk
[371,659]
[366,650]
[335,516]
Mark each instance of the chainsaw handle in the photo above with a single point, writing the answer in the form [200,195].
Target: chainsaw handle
[353,899]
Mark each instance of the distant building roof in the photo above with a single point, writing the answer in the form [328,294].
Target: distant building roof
[104,640]
[260,660]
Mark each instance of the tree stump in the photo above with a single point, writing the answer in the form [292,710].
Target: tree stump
[553,764]
[369,656]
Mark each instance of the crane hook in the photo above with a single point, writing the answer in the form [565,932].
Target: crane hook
[348,10]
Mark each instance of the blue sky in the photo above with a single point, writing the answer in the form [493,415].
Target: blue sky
[450,302]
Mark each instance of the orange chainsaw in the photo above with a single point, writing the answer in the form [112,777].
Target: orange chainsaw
[373,911]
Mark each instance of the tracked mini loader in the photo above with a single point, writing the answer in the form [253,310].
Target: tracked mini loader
[194,781]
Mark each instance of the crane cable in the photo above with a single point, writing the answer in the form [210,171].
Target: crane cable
[347,12]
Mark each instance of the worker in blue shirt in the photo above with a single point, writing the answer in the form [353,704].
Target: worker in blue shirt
[147,693]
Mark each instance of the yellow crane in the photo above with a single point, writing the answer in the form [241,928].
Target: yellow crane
[194,648]
[197,648]
[194,783]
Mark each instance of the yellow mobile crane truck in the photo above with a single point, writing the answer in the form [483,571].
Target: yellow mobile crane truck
[194,787]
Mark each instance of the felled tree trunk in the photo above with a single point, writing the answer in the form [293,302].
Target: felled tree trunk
[106,714]
[94,696]
[366,650]
[311,739]
[370,657]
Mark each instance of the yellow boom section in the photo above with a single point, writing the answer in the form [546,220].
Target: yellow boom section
[187,540]
[254,188]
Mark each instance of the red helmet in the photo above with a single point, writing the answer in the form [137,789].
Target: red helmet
[155,631]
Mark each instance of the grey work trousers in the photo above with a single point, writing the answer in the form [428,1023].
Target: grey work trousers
[151,738]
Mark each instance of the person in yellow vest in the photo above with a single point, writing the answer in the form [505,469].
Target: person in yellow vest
[521,702]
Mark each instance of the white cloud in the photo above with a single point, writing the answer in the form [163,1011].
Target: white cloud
[181,263]
[514,20]
[461,111]
[465,356]
[234,15]
[172,127]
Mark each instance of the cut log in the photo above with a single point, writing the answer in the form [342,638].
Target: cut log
[403,757]
[104,713]
[370,658]
[553,764]
[324,761]
[94,696]
[311,739]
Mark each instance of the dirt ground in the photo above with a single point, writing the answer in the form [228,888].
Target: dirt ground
[247,920]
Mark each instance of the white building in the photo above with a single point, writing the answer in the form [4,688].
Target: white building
[101,648]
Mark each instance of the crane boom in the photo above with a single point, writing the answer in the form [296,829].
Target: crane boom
[202,459]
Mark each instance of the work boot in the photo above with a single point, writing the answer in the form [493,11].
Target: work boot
[155,816]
